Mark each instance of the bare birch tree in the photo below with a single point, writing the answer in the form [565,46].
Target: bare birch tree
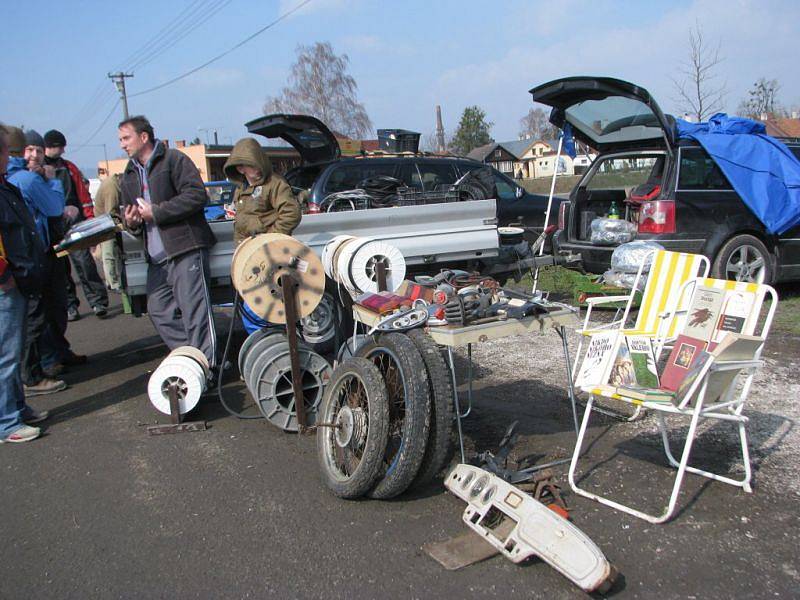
[700,93]
[320,86]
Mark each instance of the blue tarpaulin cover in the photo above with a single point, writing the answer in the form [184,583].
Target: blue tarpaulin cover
[762,170]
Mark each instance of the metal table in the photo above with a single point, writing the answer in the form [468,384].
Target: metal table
[451,336]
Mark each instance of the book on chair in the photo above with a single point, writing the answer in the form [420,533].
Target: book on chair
[685,353]
[704,313]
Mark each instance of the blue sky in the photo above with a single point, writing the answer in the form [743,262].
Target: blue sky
[406,57]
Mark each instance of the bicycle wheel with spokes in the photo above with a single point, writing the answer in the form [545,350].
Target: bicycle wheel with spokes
[353,425]
[407,387]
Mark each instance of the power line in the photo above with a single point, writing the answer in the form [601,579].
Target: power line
[96,131]
[216,58]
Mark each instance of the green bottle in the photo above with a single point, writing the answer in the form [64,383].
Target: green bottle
[613,212]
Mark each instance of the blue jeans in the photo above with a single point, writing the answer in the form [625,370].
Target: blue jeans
[13,314]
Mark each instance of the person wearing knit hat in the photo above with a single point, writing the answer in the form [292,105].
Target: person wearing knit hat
[54,139]
[33,138]
[80,201]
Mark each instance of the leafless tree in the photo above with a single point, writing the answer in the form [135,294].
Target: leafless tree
[762,100]
[700,93]
[537,125]
[319,85]
[430,142]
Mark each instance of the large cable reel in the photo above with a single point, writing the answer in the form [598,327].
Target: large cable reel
[259,263]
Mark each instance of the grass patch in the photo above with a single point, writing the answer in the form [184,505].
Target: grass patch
[787,317]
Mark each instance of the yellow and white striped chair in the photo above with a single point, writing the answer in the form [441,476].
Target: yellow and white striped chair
[730,381]
[663,295]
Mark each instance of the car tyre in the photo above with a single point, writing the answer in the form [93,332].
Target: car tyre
[744,258]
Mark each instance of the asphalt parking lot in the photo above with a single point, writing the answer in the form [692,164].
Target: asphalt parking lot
[96,508]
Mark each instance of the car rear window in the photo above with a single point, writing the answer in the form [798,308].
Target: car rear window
[436,174]
[349,177]
[622,172]
[698,171]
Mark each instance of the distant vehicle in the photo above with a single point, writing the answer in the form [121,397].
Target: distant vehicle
[324,171]
[672,189]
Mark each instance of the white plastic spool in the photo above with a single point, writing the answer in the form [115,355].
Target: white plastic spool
[362,272]
[190,373]
[344,254]
[329,251]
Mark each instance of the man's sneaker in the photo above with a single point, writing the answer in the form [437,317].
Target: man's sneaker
[23,434]
[100,311]
[73,360]
[53,371]
[35,416]
[45,386]
[73,314]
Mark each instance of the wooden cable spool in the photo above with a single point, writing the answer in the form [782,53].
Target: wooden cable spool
[256,269]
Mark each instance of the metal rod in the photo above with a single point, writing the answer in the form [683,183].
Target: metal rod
[571,390]
[455,401]
[549,205]
[288,286]
[469,382]
[174,407]
[380,275]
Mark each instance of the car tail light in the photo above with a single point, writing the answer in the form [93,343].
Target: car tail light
[562,214]
[313,208]
[657,216]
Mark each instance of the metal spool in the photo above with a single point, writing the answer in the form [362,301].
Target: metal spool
[256,349]
[273,391]
[257,267]
[261,360]
[348,348]
[189,376]
[252,339]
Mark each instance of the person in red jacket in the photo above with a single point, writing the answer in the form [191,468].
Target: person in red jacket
[77,195]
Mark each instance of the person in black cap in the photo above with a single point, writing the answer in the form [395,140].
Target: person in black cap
[77,195]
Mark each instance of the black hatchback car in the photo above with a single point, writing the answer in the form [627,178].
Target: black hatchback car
[671,189]
[324,171]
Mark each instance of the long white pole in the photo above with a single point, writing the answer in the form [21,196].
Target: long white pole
[549,205]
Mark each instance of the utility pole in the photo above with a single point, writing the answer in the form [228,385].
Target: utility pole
[439,130]
[119,79]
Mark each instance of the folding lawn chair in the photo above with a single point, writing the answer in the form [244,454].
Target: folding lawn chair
[719,392]
[661,297]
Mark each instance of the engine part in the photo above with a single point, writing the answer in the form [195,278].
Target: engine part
[511,236]
[258,265]
[521,527]
[352,428]
[402,321]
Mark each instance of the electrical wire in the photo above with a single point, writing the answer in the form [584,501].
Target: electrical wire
[219,56]
[96,131]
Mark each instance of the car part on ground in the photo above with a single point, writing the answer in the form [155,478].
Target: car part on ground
[185,367]
[521,527]
[407,386]
[259,263]
[352,428]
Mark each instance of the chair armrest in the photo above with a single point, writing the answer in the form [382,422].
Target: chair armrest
[603,299]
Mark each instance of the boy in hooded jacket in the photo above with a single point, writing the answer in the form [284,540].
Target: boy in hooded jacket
[264,201]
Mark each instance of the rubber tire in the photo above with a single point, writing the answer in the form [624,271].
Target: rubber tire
[438,452]
[718,267]
[398,476]
[370,467]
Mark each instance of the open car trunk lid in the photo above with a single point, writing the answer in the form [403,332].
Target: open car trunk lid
[607,114]
[308,135]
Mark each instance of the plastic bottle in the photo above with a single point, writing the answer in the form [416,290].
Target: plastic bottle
[613,212]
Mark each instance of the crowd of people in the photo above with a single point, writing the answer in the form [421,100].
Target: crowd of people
[159,196]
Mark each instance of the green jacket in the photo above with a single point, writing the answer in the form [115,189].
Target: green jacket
[269,206]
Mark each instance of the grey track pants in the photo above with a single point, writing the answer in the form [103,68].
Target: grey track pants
[179,303]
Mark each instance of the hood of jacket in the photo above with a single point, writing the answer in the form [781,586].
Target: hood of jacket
[248,153]
[15,164]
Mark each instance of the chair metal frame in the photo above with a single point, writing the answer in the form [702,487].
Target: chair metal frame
[727,407]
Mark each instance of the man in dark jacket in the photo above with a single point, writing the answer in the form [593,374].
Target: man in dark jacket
[21,265]
[76,194]
[163,199]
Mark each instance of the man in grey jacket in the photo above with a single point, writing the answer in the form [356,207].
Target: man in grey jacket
[163,199]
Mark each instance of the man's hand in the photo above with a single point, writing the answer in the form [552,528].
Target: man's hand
[70,212]
[132,216]
[35,167]
[49,171]
[146,211]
